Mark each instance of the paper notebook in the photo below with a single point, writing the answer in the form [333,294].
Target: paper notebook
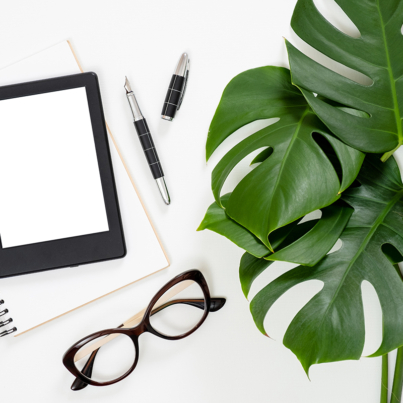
[58,292]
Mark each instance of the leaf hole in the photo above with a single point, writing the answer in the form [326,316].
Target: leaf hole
[354,112]
[328,150]
[288,305]
[276,270]
[351,111]
[336,246]
[241,134]
[279,236]
[262,156]
[393,255]
[355,184]
[372,318]
[242,169]
[335,15]
[331,64]
[314,215]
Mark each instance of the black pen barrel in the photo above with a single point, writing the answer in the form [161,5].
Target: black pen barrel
[173,96]
[150,152]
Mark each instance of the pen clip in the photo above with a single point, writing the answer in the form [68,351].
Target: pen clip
[184,85]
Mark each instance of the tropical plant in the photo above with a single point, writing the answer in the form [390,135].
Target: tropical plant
[311,159]
[376,54]
[277,190]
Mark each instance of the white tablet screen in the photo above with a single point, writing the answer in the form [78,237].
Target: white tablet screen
[49,177]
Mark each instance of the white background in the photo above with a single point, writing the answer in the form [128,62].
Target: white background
[227,360]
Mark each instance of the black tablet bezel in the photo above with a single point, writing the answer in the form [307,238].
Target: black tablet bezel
[82,249]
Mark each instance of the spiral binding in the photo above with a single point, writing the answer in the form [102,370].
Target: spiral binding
[6,322]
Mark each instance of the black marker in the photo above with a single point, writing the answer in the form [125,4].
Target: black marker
[147,143]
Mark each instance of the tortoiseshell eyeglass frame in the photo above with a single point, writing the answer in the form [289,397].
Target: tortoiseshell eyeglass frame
[83,377]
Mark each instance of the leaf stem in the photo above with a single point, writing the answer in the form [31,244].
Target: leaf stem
[392,87]
[384,379]
[389,153]
[398,378]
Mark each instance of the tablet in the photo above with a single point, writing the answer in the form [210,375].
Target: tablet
[58,204]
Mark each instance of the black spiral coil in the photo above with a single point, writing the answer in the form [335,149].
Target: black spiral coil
[6,322]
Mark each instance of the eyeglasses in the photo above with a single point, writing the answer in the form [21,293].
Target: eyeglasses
[170,319]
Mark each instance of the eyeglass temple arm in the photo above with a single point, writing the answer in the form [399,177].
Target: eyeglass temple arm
[215,305]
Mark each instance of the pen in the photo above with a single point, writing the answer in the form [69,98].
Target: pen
[176,89]
[147,143]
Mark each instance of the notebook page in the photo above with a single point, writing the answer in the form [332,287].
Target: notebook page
[36,298]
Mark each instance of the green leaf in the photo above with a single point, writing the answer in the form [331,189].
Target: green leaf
[262,156]
[217,220]
[376,53]
[305,244]
[309,248]
[297,177]
[330,327]
[261,93]
[249,269]
[251,266]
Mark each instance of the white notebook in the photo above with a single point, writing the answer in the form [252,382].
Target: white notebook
[35,299]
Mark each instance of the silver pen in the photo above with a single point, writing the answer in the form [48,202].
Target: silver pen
[147,143]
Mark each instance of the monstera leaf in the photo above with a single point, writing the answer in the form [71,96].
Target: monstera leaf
[305,243]
[294,176]
[330,327]
[377,53]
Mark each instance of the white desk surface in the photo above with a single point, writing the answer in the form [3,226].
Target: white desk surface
[227,360]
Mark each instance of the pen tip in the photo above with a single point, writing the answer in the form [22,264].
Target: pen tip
[163,190]
[127,86]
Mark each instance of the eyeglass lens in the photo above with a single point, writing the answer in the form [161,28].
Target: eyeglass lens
[181,314]
[112,360]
